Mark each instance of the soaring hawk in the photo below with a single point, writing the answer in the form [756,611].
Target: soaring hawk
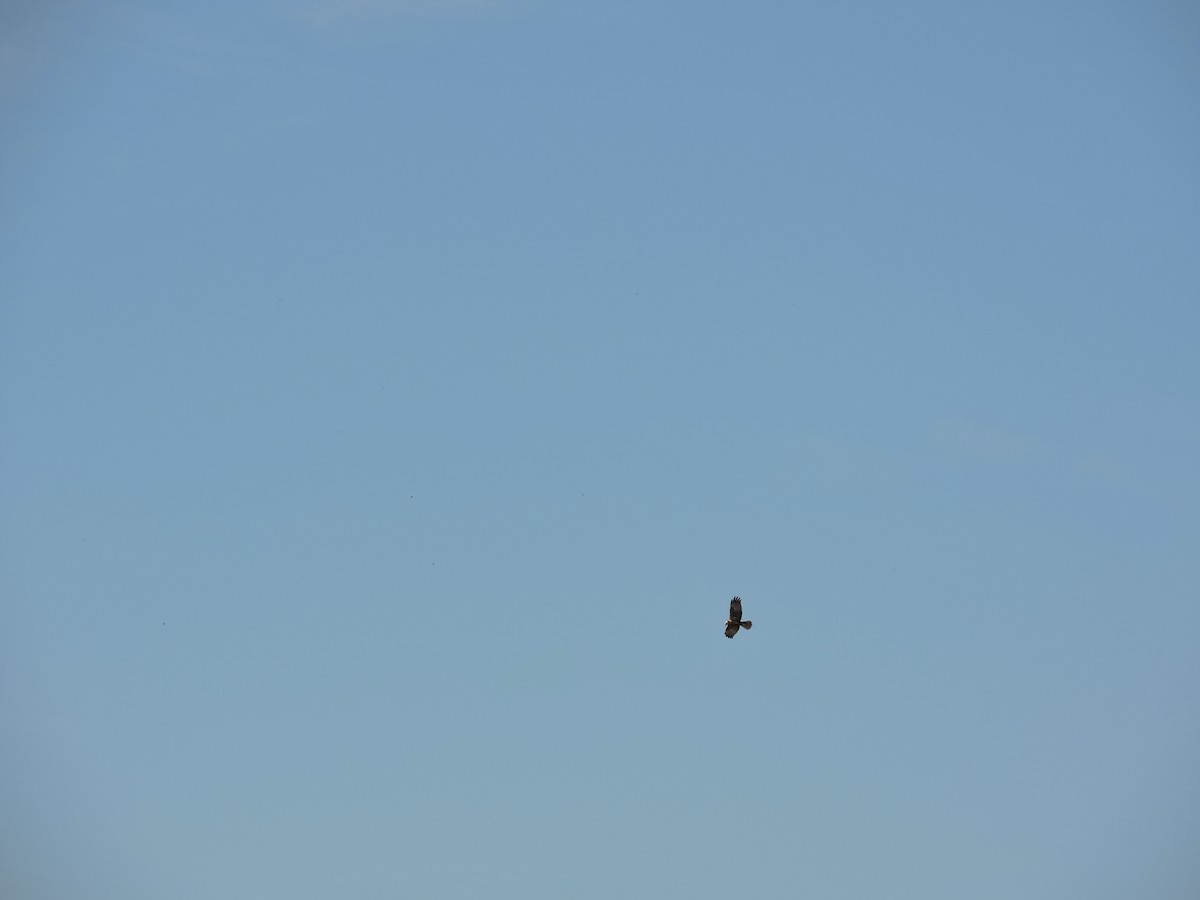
[735,618]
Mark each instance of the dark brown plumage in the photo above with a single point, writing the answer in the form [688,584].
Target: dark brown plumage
[734,622]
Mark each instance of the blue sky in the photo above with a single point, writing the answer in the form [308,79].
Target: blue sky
[394,393]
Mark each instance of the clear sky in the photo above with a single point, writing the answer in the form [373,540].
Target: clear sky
[393,394]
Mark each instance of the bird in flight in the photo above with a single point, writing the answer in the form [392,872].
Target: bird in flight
[735,618]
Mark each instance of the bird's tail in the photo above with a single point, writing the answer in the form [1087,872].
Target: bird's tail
[747,624]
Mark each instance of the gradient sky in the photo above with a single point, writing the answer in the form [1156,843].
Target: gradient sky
[394,392]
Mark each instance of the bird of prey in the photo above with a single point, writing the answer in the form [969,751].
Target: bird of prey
[735,618]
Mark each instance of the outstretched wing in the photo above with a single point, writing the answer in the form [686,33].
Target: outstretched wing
[731,628]
[735,612]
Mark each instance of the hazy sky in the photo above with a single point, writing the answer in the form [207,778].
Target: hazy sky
[393,395]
